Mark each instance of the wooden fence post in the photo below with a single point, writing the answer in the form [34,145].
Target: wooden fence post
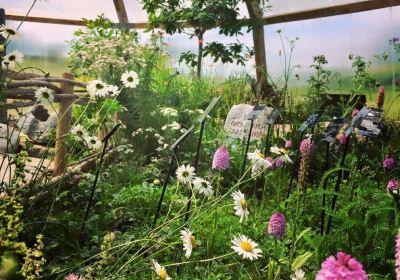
[63,127]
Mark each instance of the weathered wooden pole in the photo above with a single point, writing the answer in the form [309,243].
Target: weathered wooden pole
[63,127]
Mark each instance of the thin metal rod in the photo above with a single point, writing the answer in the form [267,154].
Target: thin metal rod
[337,186]
[247,148]
[267,139]
[94,185]
[327,151]
[294,168]
[195,164]
[165,184]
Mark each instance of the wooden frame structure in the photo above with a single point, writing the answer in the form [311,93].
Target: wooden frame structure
[361,6]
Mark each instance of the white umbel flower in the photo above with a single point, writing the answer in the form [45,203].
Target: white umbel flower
[44,95]
[130,79]
[160,270]
[202,187]
[241,207]
[189,242]
[8,33]
[169,112]
[79,132]
[93,142]
[97,88]
[298,275]
[185,174]
[12,59]
[246,247]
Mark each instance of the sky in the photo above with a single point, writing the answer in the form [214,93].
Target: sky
[366,33]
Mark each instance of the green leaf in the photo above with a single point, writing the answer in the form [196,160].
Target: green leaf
[300,260]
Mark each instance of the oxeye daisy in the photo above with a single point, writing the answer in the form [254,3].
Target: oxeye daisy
[130,79]
[282,153]
[185,174]
[298,275]
[189,242]
[12,59]
[44,95]
[241,207]
[112,90]
[8,33]
[93,142]
[79,132]
[97,88]
[246,247]
[202,187]
[160,270]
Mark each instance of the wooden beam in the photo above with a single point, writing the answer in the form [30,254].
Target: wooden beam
[64,21]
[361,6]
[121,11]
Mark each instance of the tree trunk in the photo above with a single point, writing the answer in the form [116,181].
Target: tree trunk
[264,89]
[200,53]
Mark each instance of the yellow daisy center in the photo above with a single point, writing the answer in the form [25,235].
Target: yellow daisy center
[163,274]
[243,202]
[261,155]
[185,174]
[130,79]
[246,246]
[193,241]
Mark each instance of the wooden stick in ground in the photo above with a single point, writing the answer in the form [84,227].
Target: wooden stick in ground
[63,127]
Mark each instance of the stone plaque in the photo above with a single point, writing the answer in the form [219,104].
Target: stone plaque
[237,123]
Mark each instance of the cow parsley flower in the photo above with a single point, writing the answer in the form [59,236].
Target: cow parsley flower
[246,247]
[185,174]
[130,79]
[241,207]
[189,242]
[44,95]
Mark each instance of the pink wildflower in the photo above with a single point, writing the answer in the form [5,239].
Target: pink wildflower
[71,276]
[381,97]
[306,146]
[389,163]
[398,256]
[341,267]
[221,159]
[393,185]
[354,113]
[277,225]
[288,144]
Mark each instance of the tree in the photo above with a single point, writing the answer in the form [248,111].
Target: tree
[200,15]
[176,16]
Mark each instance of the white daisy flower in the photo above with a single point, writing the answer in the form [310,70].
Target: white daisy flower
[202,187]
[241,207]
[8,33]
[185,174]
[44,95]
[246,247]
[79,132]
[160,270]
[298,275]
[283,153]
[12,59]
[130,79]
[97,88]
[258,161]
[112,90]
[189,242]
[93,142]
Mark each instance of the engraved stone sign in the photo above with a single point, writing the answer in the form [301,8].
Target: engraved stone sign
[237,122]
